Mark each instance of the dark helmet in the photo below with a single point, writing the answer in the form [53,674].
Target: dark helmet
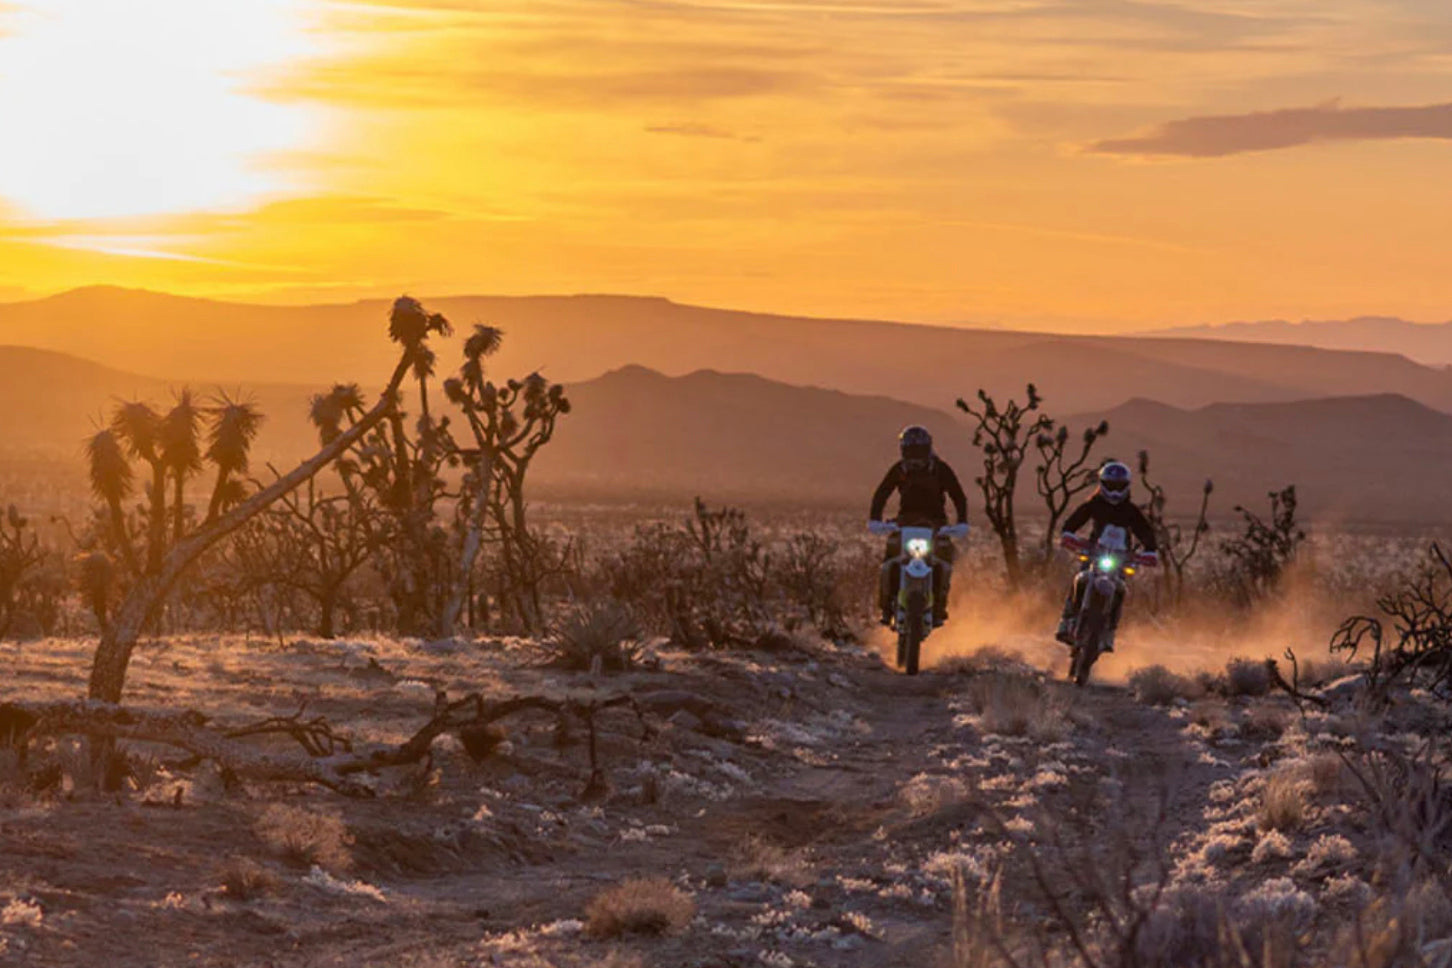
[1114,481]
[916,444]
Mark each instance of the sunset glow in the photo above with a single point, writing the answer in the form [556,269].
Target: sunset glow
[1095,165]
[144,108]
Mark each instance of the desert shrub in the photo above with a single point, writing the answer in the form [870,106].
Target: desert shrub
[652,906]
[1014,705]
[1410,927]
[1265,722]
[306,837]
[758,859]
[1210,715]
[605,631]
[243,879]
[1246,677]
[1158,686]
[1258,558]
[1327,774]
[1409,796]
[925,795]
[1282,802]
[1417,647]
[715,580]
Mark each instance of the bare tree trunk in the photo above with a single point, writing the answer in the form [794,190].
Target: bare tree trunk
[473,538]
[113,654]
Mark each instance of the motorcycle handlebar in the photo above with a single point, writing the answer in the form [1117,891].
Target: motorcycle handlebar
[892,527]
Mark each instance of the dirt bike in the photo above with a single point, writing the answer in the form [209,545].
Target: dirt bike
[916,564]
[1106,566]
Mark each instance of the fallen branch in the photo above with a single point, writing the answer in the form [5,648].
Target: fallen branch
[329,759]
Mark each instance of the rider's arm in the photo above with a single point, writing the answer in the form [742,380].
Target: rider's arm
[954,491]
[1143,530]
[1078,518]
[883,492]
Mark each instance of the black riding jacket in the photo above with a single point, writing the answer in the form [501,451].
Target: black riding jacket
[1126,514]
[922,494]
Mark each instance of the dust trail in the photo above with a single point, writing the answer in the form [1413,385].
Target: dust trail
[1201,636]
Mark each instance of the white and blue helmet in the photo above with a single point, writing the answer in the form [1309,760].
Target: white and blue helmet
[1114,481]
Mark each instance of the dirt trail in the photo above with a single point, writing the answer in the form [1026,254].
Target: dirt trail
[826,838]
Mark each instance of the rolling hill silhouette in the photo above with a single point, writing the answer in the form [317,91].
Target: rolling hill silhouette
[576,338]
[638,435]
[1368,459]
[1427,343]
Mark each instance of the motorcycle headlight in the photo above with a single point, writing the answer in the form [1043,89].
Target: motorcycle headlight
[919,547]
[1108,563]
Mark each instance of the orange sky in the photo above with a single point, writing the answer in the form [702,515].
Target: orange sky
[1068,163]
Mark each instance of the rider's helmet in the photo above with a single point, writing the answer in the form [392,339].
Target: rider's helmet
[917,447]
[1114,481]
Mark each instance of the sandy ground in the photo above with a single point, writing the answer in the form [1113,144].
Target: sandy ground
[825,833]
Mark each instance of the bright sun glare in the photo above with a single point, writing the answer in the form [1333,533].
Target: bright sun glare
[145,107]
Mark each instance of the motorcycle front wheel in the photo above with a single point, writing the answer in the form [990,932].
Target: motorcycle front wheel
[1086,643]
[910,639]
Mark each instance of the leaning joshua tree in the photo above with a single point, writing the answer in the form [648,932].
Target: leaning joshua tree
[141,432]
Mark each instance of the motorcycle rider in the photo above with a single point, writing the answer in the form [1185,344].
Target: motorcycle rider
[924,483]
[1109,505]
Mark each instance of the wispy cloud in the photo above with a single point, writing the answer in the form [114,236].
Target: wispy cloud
[697,129]
[1215,136]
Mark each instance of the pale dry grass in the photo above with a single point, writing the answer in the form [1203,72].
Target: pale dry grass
[306,837]
[650,906]
[758,859]
[1283,804]
[1015,705]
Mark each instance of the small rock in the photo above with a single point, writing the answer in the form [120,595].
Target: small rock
[839,680]
[716,876]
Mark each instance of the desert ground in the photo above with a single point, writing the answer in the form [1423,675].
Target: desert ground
[799,805]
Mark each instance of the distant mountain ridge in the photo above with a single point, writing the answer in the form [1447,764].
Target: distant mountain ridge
[576,338]
[1426,343]
[638,435]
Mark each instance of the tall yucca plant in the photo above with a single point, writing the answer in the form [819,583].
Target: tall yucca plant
[181,454]
[111,481]
[232,429]
[139,428]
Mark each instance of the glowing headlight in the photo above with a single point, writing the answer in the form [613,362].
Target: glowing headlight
[1108,563]
[919,547]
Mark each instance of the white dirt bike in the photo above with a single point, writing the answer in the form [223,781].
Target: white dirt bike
[1106,567]
[913,618]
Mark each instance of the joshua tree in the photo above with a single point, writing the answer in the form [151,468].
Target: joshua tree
[20,553]
[1061,477]
[139,429]
[169,447]
[1176,549]
[509,425]
[1003,435]
[312,544]
[1263,552]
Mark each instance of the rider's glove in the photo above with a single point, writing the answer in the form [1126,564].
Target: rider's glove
[1150,559]
[879,527]
[1070,540]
